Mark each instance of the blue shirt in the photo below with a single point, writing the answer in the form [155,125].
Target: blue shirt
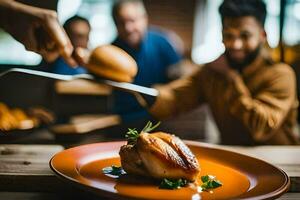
[154,55]
[59,66]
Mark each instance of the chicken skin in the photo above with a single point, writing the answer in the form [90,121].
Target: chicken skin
[159,155]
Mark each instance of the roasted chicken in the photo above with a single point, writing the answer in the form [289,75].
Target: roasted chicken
[159,155]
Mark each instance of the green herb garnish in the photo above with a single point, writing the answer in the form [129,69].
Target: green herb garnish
[113,170]
[172,184]
[133,134]
[209,182]
[149,127]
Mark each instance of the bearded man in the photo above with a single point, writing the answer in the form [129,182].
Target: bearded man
[252,98]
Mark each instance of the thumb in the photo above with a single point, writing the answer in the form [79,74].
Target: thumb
[81,55]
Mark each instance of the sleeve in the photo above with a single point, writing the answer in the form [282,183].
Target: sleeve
[178,96]
[263,113]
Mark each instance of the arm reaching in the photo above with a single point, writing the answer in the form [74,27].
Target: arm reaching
[38,29]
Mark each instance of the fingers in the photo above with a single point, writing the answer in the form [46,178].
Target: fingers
[39,30]
[60,38]
[63,43]
[45,46]
[51,36]
[81,56]
[49,56]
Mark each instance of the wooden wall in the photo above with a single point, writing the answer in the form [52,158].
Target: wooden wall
[174,15]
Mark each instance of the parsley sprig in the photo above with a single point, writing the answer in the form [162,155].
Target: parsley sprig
[172,184]
[113,170]
[210,182]
[133,134]
[150,127]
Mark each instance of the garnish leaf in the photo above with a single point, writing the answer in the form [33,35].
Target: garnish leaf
[216,183]
[172,184]
[133,134]
[210,182]
[204,178]
[148,128]
[113,170]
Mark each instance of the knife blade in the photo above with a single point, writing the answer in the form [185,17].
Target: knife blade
[129,87]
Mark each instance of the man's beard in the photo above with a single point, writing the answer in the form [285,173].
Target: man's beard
[250,57]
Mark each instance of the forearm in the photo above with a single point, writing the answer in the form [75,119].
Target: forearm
[12,11]
[6,10]
[178,97]
[37,29]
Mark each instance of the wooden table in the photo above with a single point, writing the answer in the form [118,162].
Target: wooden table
[25,172]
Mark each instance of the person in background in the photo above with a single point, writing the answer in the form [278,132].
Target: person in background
[78,30]
[150,48]
[252,98]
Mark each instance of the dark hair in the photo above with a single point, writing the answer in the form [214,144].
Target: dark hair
[74,19]
[119,3]
[241,8]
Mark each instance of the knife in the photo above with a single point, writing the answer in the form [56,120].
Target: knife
[129,87]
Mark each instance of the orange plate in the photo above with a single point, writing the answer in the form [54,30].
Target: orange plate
[243,177]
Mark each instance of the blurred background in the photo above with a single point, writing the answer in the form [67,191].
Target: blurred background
[195,22]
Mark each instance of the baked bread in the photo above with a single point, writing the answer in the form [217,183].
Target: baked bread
[111,62]
[15,119]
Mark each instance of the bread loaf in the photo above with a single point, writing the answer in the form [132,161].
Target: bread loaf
[111,62]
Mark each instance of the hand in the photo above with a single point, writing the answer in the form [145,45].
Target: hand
[81,56]
[182,69]
[38,29]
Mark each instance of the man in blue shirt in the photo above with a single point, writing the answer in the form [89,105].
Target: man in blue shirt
[150,48]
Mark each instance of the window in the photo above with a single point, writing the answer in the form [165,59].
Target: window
[208,38]
[13,52]
[291,31]
[97,12]
[207,41]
